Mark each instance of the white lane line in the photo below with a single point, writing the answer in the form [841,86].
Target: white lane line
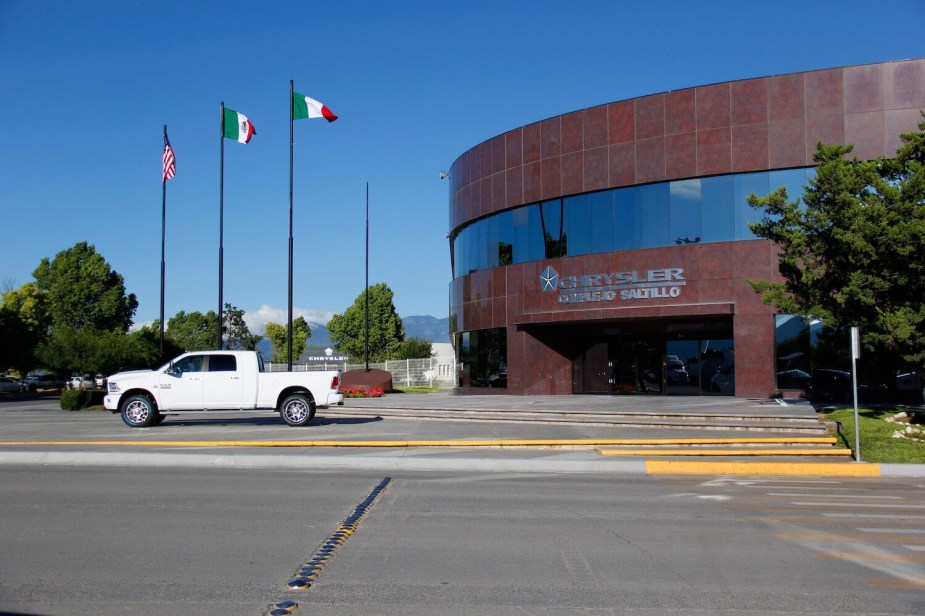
[915,548]
[871,505]
[884,516]
[815,488]
[891,531]
[837,496]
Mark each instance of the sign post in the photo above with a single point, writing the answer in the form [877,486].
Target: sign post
[855,354]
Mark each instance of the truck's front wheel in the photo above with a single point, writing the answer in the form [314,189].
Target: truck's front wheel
[138,411]
[297,410]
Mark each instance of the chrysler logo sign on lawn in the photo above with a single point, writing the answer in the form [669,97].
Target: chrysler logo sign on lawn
[649,284]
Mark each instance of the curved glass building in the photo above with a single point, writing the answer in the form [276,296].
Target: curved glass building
[607,250]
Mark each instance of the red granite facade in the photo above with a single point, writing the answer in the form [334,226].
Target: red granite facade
[743,126]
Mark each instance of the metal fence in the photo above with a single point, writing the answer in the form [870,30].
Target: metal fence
[427,372]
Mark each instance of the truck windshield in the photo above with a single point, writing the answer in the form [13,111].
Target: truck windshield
[259,362]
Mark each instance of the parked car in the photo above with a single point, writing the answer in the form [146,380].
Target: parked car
[10,385]
[43,381]
[794,379]
[831,385]
[724,381]
[81,382]
[675,371]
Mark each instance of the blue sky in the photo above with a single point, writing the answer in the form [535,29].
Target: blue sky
[88,85]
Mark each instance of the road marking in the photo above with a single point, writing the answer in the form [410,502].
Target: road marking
[310,570]
[884,516]
[860,556]
[897,584]
[792,495]
[870,505]
[911,531]
[915,548]
[678,467]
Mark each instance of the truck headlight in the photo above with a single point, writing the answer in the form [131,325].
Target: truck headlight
[113,387]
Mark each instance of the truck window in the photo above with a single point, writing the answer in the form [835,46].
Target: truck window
[222,363]
[193,363]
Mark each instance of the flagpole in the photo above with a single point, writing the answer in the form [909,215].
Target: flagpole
[289,322]
[163,235]
[367,276]
[221,215]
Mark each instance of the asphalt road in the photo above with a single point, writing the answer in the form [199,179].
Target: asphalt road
[227,541]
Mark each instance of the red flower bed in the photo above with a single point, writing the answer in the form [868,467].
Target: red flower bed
[360,392]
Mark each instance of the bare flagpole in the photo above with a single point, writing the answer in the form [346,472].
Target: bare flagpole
[367,277]
[289,321]
[221,216]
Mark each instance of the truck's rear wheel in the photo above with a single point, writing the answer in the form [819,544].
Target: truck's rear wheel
[138,411]
[297,410]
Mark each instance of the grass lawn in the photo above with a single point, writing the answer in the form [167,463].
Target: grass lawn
[415,390]
[877,441]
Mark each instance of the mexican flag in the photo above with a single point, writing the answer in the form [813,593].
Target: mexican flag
[236,126]
[304,107]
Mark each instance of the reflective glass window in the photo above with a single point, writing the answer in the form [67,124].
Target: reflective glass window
[482,358]
[490,246]
[685,211]
[626,234]
[552,228]
[652,205]
[528,234]
[717,217]
[505,239]
[745,185]
[577,226]
[712,209]
[602,216]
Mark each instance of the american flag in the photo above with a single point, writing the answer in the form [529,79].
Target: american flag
[170,164]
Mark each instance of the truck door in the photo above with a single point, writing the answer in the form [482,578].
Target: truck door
[181,388]
[222,383]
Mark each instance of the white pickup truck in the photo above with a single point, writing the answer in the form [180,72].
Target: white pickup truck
[219,381]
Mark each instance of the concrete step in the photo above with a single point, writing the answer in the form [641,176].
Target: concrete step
[732,452]
[765,422]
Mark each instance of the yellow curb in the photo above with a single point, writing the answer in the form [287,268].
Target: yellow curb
[678,467]
[439,443]
[724,452]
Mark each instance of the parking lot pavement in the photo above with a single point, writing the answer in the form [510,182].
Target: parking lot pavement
[38,432]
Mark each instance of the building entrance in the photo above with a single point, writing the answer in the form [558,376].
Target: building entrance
[656,362]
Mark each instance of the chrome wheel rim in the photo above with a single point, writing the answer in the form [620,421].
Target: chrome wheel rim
[296,411]
[136,411]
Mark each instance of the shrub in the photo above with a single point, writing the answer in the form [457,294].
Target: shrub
[74,399]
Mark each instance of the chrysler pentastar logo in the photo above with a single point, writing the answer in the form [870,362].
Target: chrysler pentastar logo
[549,279]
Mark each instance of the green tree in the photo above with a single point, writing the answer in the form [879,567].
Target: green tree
[237,335]
[194,331]
[414,348]
[151,334]
[852,255]
[91,351]
[279,338]
[386,331]
[83,290]
[24,323]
